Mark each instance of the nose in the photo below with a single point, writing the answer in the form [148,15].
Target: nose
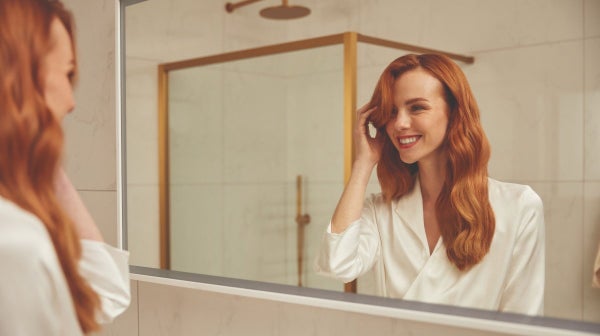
[71,105]
[402,120]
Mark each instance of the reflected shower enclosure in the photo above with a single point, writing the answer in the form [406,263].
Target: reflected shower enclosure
[255,148]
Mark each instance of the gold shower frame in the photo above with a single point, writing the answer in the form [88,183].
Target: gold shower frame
[348,39]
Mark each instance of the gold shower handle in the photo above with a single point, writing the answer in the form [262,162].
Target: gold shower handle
[301,221]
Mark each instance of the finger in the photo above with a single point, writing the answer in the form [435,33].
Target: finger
[365,113]
[362,110]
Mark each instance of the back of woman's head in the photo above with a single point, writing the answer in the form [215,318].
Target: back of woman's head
[31,137]
[463,209]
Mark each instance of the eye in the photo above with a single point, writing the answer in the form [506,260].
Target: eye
[71,76]
[417,108]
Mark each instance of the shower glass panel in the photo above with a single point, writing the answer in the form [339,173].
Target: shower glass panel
[239,134]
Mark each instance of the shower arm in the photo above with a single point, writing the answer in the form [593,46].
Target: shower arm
[230,7]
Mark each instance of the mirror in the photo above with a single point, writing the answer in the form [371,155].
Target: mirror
[533,112]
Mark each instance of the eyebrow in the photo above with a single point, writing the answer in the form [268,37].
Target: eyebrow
[415,100]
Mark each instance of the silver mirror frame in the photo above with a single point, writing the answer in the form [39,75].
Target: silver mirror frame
[451,316]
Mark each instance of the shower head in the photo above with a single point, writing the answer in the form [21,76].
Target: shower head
[284,12]
[281,12]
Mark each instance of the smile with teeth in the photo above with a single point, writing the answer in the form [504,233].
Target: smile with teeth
[408,140]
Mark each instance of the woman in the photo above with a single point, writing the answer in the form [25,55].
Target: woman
[58,276]
[441,231]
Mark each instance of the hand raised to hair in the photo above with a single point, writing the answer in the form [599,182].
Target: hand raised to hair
[73,205]
[367,148]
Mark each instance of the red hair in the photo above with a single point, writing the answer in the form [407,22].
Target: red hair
[463,208]
[31,138]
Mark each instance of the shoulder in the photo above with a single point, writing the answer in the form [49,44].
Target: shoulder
[35,280]
[515,203]
[513,194]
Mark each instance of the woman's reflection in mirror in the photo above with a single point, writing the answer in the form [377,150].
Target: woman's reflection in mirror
[441,231]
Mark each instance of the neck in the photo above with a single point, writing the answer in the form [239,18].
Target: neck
[431,178]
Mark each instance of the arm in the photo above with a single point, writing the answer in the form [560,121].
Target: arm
[74,207]
[350,245]
[368,152]
[524,289]
[346,256]
[103,266]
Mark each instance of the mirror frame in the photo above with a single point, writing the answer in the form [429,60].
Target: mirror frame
[453,316]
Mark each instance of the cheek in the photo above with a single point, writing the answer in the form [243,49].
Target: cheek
[59,96]
[389,129]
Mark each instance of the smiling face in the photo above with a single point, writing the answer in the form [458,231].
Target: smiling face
[58,72]
[420,119]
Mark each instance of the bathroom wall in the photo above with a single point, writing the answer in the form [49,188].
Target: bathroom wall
[553,101]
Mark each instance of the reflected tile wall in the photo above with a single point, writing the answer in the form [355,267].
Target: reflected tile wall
[319,204]
[197,230]
[143,225]
[563,215]
[591,18]
[245,29]
[196,133]
[253,228]
[592,108]
[539,104]
[254,148]
[141,122]
[488,25]
[326,18]
[591,246]
[314,127]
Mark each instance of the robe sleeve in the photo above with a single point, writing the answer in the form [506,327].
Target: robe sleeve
[347,255]
[106,269]
[524,290]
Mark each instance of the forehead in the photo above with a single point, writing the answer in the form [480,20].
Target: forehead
[60,43]
[417,83]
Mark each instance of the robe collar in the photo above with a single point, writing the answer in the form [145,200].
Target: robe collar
[409,208]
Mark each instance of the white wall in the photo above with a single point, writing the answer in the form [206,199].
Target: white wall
[552,101]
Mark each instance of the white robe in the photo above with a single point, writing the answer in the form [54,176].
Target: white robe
[34,295]
[390,240]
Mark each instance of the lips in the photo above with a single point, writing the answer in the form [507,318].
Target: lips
[408,141]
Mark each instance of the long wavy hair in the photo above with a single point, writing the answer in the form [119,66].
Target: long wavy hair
[31,138]
[463,209]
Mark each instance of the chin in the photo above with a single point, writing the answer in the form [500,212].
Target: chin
[408,160]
